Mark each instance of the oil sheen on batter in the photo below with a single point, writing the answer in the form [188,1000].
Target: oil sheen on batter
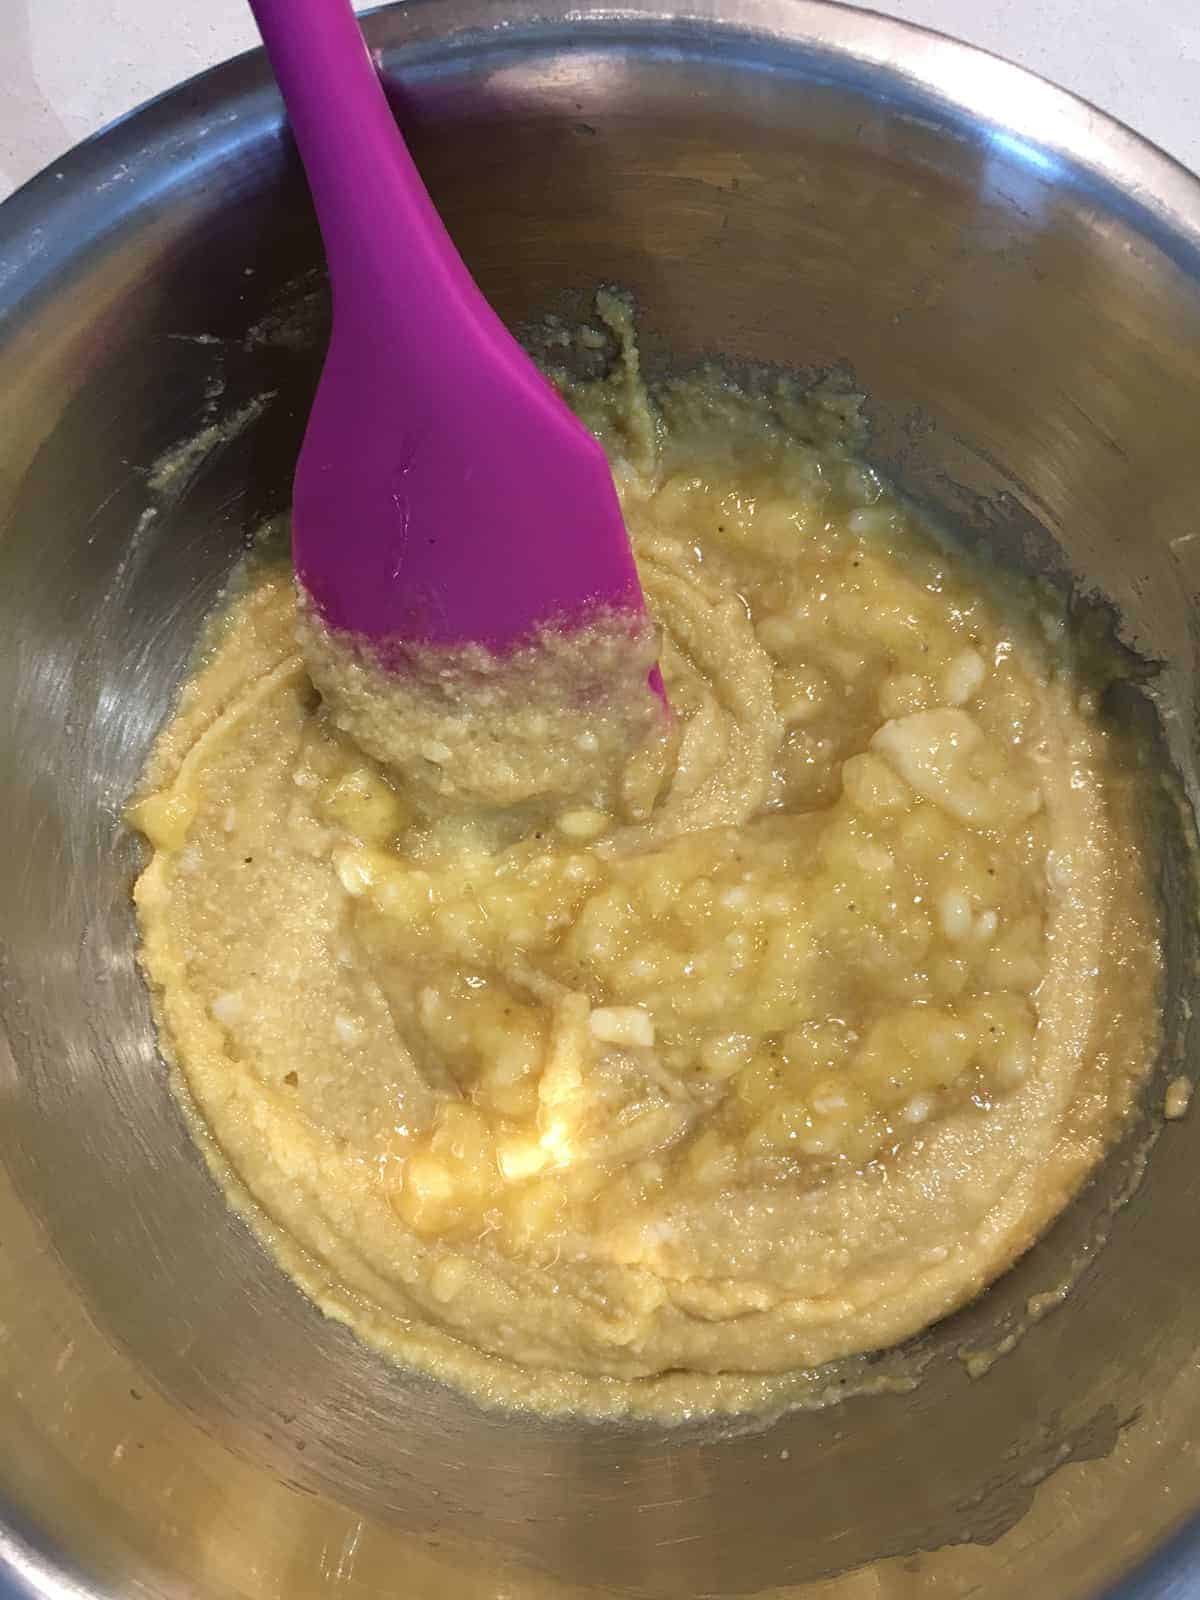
[773,1045]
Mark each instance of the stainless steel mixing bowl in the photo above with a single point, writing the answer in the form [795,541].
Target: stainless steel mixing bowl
[1016,282]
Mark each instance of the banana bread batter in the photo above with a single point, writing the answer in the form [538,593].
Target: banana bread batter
[774,1043]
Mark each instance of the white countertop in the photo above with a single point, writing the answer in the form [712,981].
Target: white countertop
[69,66]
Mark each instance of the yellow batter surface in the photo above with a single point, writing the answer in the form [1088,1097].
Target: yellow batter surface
[773,1045]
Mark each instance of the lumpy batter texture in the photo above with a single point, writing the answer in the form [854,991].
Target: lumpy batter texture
[774,1043]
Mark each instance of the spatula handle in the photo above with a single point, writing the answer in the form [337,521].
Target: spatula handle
[377,220]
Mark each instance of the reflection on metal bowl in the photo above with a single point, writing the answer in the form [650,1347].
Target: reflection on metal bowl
[1015,281]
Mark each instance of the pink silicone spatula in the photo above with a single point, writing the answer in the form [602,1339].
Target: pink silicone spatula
[444,493]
